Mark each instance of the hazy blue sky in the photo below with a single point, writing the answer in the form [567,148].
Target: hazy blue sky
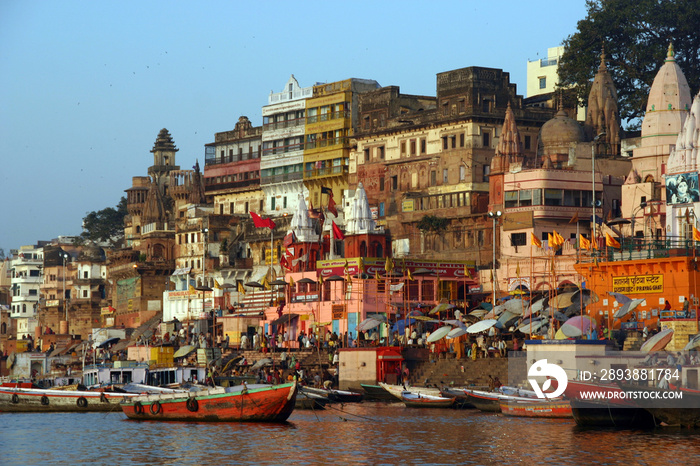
[85,87]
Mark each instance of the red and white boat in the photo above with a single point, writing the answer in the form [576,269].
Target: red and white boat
[530,408]
[259,403]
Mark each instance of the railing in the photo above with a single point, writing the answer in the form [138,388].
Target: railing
[283,149]
[328,171]
[327,117]
[232,185]
[642,248]
[326,142]
[284,124]
[281,178]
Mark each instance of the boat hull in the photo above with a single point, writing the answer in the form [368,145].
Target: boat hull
[546,409]
[266,404]
[29,400]
[377,393]
[425,402]
[590,413]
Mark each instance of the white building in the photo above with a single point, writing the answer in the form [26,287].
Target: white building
[26,268]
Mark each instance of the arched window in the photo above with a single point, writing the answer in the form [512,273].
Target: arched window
[363,249]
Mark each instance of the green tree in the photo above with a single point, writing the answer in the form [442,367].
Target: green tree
[636,35]
[106,224]
[432,223]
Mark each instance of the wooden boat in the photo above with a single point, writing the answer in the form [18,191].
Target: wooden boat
[32,400]
[397,390]
[417,400]
[684,412]
[268,403]
[544,408]
[461,400]
[600,413]
[306,401]
[336,396]
[376,393]
[490,402]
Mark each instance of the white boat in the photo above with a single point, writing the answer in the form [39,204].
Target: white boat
[416,400]
[398,390]
[32,400]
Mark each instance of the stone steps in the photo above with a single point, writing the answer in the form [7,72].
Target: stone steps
[459,372]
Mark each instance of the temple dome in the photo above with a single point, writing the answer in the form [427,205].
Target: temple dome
[559,133]
[669,100]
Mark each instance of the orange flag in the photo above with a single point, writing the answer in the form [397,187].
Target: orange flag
[583,242]
[696,234]
[559,238]
[611,242]
[535,241]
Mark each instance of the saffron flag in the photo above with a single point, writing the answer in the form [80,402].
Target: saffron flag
[260,222]
[559,239]
[331,206]
[389,265]
[611,242]
[535,241]
[696,234]
[583,242]
[376,275]
[241,290]
[216,285]
[574,219]
[337,233]
[291,283]
[409,275]
[550,240]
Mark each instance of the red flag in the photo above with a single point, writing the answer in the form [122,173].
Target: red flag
[337,233]
[260,222]
[289,239]
[331,206]
[284,262]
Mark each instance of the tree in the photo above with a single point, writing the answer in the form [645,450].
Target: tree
[106,225]
[636,35]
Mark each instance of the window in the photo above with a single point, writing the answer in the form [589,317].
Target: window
[422,146]
[454,141]
[284,202]
[85,294]
[444,175]
[518,239]
[366,152]
[444,143]
[413,146]
[85,274]
[461,140]
[486,170]
[527,142]
[272,203]
[394,183]
[445,108]
[462,172]
[381,184]
[433,178]
[403,147]
[511,199]
[486,139]
[552,197]
[543,82]
[486,105]
[462,105]
[380,151]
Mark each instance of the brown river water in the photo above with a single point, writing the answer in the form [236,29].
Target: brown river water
[366,433]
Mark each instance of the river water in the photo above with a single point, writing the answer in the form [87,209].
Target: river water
[366,433]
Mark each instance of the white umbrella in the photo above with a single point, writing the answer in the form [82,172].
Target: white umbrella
[695,341]
[479,313]
[627,308]
[577,326]
[368,324]
[482,325]
[534,307]
[457,332]
[439,334]
[533,326]
[657,342]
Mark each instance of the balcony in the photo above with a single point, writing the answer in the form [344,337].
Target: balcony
[327,143]
[284,177]
[284,124]
[327,117]
[283,149]
[328,171]
[233,185]
[645,248]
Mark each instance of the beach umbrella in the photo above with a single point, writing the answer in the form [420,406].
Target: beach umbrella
[561,301]
[279,282]
[534,308]
[400,325]
[657,342]
[441,308]
[495,312]
[262,362]
[585,296]
[532,326]
[479,313]
[457,332]
[254,285]
[577,326]
[306,280]
[368,324]
[515,306]
[693,343]
[439,334]
[482,325]
[627,308]
[507,317]
[619,297]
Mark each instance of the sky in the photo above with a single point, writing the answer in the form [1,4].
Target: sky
[86,86]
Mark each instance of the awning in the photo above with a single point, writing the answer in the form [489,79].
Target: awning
[285,319]
[108,341]
[182,271]
[390,356]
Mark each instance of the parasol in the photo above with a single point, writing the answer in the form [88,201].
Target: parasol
[439,334]
[306,280]
[368,324]
[456,332]
[254,285]
[577,326]
[619,297]
[532,326]
[515,306]
[479,313]
[585,296]
[441,307]
[694,342]
[561,301]
[627,308]
[482,325]
[657,342]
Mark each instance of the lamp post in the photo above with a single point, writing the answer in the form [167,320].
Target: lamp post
[494,216]
[593,201]
[641,205]
[64,256]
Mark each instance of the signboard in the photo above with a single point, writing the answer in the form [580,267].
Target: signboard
[338,311]
[638,284]
[52,303]
[518,221]
[370,265]
[407,205]
[682,188]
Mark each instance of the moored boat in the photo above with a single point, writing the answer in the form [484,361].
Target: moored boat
[544,408]
[32,400]
[397,390]
[417,400]
[600,413]
[336,396]
[461,400]
[261,403]
[376,393]
[672,407]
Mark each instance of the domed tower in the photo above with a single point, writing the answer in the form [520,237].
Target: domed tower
[603,116]
[558,138]
[163,160]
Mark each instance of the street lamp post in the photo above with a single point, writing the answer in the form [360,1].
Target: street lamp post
[494,216]
[64,256]
[593,202]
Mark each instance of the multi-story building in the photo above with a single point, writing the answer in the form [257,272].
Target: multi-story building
[542,76]
[331,118]
[26,275]
[282,161]
[232,170]
[425,161]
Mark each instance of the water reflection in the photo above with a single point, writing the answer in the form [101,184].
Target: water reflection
[368,433]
